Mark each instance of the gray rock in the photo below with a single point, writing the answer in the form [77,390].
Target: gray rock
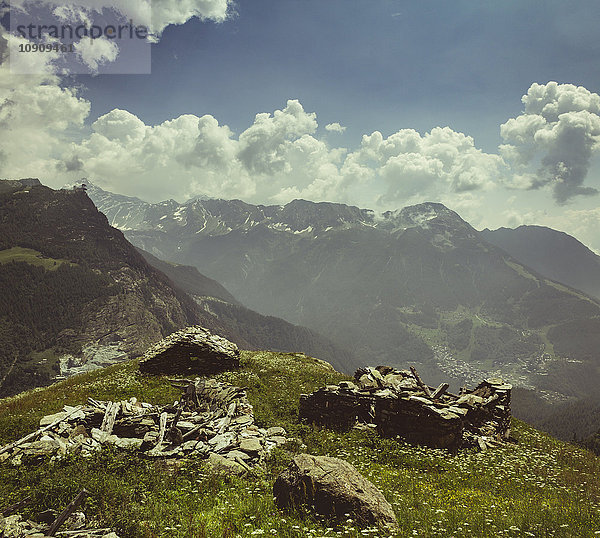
[251,445]
[103,437]
[237,454]
[48,447]
[334,488]
[275,430]
[49,419]
[188,446]
[277,439]
[469,400]
[128,443]
[220,464]
[221,442]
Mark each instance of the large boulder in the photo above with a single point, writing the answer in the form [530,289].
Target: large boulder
[334,488]
[193,350]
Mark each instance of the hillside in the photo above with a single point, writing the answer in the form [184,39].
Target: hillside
[247,327]
[77,295]
[536,487]
[417,285]
[189,279]
[556,255]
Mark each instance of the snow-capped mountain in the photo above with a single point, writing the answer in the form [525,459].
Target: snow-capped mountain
[417,285]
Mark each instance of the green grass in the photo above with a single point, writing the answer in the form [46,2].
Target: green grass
[571,291]
[537,487]
[30,256]
[518,268]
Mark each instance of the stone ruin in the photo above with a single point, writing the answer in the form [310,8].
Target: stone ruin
[398,403]
[212,420]
[193,350]
[15,526]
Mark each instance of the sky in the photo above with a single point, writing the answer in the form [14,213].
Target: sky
[491,108]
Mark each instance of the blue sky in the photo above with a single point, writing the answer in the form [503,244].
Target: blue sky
[427,95]
[371,65]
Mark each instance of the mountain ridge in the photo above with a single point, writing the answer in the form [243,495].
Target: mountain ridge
[555,254]
[78,295]
[415,285]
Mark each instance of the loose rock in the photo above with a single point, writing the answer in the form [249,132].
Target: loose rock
[210,418]
[398,404]
[334,488]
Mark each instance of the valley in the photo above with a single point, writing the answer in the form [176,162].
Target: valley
[417,285]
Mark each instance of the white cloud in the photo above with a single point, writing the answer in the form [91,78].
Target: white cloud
[266,143]
[556,135]
[278,157]
[35,113]
[96,52]
[439,162]
[67,22]
[156,15]
[335,127]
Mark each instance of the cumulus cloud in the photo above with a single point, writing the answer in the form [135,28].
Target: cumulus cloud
[557,134]
[335,127]
[155,15]
[440,161]
[35,115]
[266,144]
[277,158]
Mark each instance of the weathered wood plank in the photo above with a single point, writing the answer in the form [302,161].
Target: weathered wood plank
[108,422]
[419,381]
[439,392]
[67,512]
[34,434]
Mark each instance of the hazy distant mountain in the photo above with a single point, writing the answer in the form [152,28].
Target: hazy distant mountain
[77,295]
[251,329]
[417,285]
[189,279]
[553,254]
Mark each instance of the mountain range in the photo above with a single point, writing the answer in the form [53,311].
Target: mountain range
[554,254]
[77,295]
[414,286]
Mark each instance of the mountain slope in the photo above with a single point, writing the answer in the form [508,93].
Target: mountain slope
[189,279]
[556,255]
[76,295]
[75,292]
[534,487]
[245,325]
[418,285]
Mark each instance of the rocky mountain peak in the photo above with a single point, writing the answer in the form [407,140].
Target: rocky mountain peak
[303,214]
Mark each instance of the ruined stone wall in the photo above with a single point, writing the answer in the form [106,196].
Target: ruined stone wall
[398,403]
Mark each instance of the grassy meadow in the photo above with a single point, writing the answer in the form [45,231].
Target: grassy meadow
[535,487]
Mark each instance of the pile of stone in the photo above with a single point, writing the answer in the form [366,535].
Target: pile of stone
[49,522]
[398,403]
[212,420]
[15,526]
[193,350]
